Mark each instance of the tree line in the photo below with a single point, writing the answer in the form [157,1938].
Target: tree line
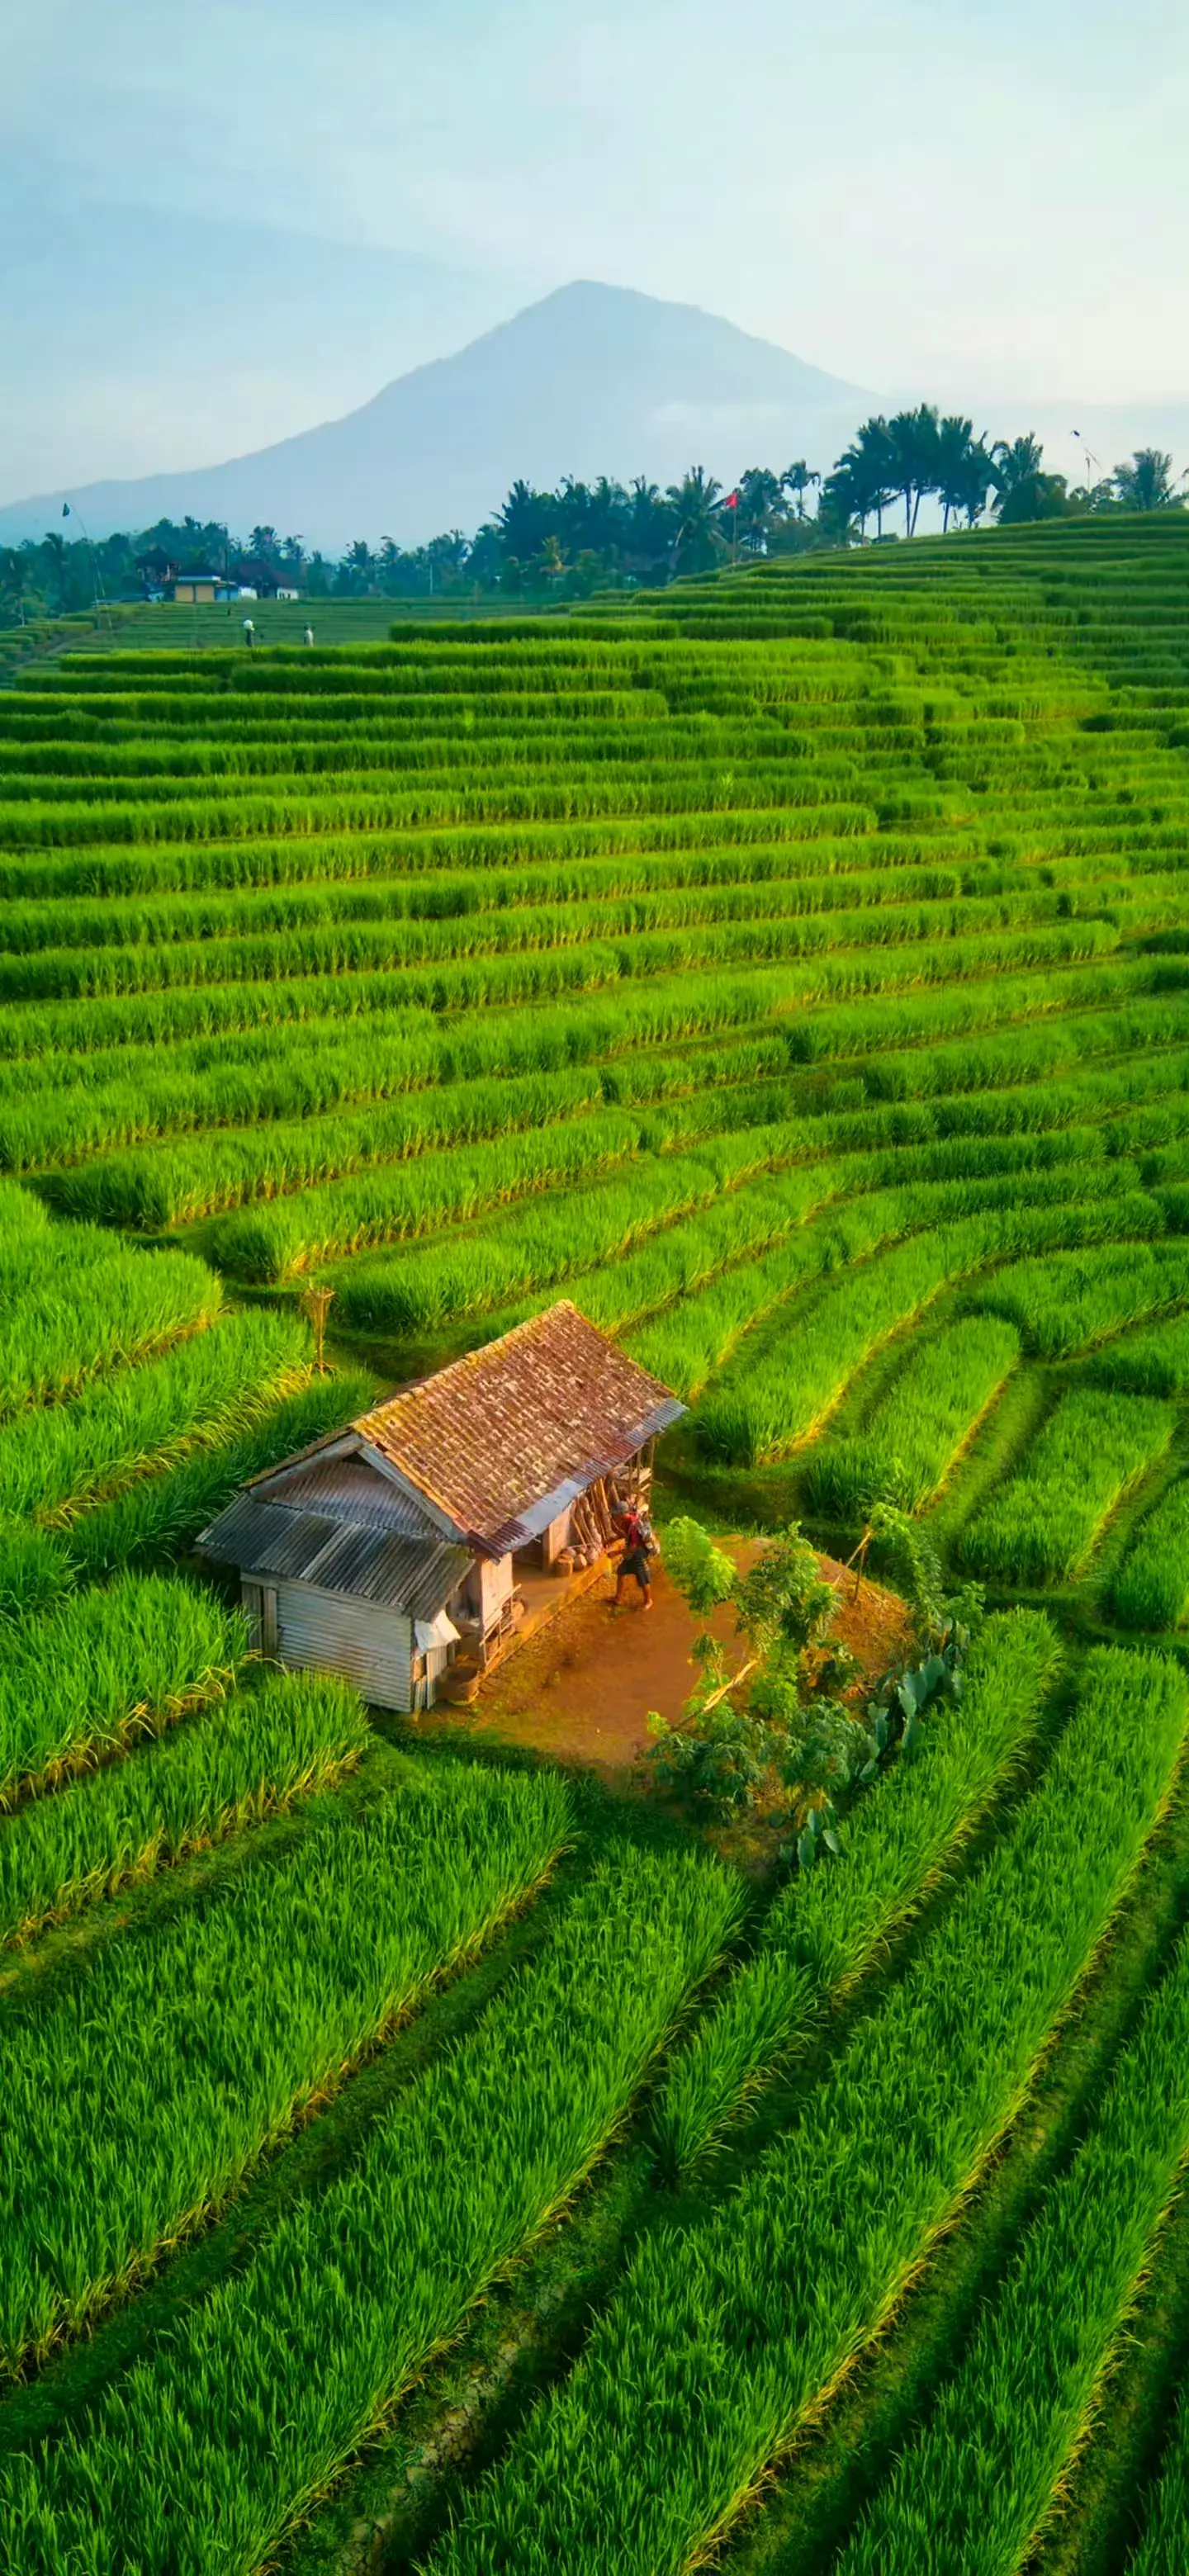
[585,536]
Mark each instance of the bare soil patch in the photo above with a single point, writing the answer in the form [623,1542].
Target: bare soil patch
[580,1690]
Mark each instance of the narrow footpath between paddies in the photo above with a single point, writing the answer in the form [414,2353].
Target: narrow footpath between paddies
[581,1690]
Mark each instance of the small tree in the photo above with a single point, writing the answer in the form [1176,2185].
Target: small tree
[768,1726]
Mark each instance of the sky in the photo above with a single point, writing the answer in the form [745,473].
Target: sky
[225,220]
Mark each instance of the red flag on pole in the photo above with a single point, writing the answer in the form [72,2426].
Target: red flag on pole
[732,501]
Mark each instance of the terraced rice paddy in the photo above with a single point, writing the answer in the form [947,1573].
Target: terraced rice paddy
[417,2160]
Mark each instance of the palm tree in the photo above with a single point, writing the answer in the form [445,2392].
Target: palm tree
[759,498]
[798,480]
[1148,482]
[360,567]
[977,481]
[525,520]
[915,440]
[54,550]
[695,502]
[844,506]
[648,527]
[863,481]
[1017,462]
[960,465]
[14,579]
[1023,491]
[450,551]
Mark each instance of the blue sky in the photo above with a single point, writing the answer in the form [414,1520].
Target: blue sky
[226,219]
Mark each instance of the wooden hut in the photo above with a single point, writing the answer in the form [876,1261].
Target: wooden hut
[408,1544]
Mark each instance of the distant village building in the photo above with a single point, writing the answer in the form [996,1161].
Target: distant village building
[409,1550]
[196,589]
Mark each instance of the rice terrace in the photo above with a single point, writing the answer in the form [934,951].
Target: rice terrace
[756,1011]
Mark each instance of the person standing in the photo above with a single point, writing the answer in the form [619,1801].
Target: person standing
[308,637]
[249,633]
[638,1547]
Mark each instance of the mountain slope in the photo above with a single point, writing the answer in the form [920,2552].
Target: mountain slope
[594,379]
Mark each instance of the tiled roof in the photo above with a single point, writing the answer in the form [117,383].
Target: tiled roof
[504,1438]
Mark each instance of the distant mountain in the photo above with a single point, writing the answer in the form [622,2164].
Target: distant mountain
[592,380]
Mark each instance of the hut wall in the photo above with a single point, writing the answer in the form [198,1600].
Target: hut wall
[556,1536]
[489,1585]
[331,1632]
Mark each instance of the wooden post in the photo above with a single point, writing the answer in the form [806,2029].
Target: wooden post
[315,1306]
[859,1560]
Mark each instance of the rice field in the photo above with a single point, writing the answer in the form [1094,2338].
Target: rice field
[412,2158]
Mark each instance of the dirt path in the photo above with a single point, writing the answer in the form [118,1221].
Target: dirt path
[581,1690]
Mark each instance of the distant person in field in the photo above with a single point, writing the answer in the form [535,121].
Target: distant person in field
[249,633]
[638,1547]
[308,637]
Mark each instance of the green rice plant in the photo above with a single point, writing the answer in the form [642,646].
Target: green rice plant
[35,1569]
[1063,1303]
[783,1399]
[979,2480]
[923,1424]
[1155,1362]
[669,1266]
[62,1459]
[416,1197]
[107,1666]
[252,2401]
[1165,2541]
[52,1110]
[256,1012]
[786,1391]
[540,1244]
[173,1184]
[433,1190]
[1151,1588]
[237,2018]
[162,1515]
[252,1756]
[1043,1524]
[740,2328]
[22,1218]
[448,914]
[826,1929]
[689,1342]
[75,1303]
[592,952]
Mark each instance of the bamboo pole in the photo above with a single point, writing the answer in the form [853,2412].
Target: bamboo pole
[315,1306]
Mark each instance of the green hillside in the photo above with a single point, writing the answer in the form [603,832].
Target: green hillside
[792,968]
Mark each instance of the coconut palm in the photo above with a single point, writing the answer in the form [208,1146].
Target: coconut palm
[695,502]
[915,442]
[963,470]
[798,480]
[1147,483]
[759,500]
[863,482]
[1018,463]
[525,520]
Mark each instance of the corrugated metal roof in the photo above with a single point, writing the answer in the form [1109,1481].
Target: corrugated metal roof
[336,1556]
[349,1489]
[496,1439]
[265,1538]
